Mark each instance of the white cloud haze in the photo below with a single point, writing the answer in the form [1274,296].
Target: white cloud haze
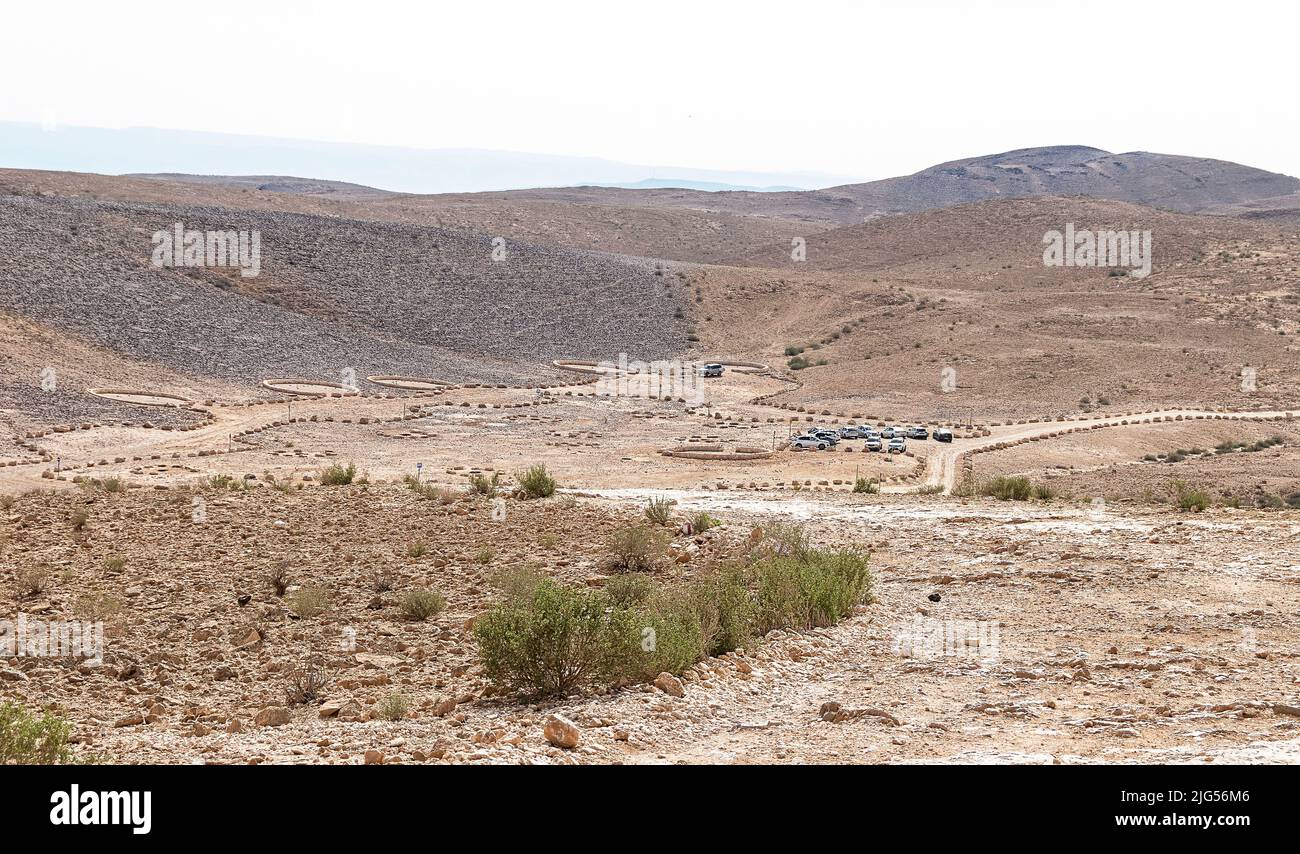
[857,89]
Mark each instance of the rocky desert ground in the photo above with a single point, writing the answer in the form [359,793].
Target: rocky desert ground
[304,507]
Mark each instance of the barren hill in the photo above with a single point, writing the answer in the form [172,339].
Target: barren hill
[1185,184]
[379,298]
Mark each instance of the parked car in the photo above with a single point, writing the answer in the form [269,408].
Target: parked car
[874,444]
[850,433]
[830,436]
[870,433]
[805,443]
[943,434]
[891,431]
[918,433]
[712,369]
[897,445]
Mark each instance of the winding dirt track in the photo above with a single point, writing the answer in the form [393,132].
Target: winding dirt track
[943,466]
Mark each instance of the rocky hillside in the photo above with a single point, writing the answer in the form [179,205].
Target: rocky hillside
[332,293]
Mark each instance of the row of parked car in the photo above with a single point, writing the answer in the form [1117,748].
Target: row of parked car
[891,439]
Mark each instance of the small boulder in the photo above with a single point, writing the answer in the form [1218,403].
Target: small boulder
[670,685]
[272,716]
[562,732]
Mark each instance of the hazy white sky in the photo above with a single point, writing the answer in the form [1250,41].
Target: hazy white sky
[866,89]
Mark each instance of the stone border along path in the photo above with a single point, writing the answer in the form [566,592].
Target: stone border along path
[408,383]
[136,397]
[942,467]
[227,424]
[224,424]
[284,385]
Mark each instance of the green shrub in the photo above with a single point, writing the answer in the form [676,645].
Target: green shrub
[1189,499]
[870,487]
[702,522]
[537,482]
[420,605]
[26,739]
[658,510]
[484,485]
[337,474]
[670,637]
[638,548]
[726,609]
[1007,488]
[627,590]
[1015,489]
[556,640]
[818,589]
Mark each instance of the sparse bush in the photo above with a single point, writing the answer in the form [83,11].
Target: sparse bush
[337,474]
[114,564]
[384,581]
[702,521]
[537,482]
[394,707]
[310,601]
[484,485]
[417,550]
[485,555]
[278,577]
[96,607]
[306,683]
[26,739]
[1189,499]
[6,502]
[638,548]
[79,520]
[420,605]
[870,487]
[518,582]
[30,582]
[226,481]
[658,510]
[548,541]
[1015,489]
[555,640]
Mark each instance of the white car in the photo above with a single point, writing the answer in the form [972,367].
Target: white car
[873,443]
[804,443]
[897,445]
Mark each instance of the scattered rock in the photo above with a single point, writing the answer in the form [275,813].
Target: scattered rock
[562,732]
[670,684]
[272,716]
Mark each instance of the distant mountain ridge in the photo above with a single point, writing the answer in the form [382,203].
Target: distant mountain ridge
[398,169]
